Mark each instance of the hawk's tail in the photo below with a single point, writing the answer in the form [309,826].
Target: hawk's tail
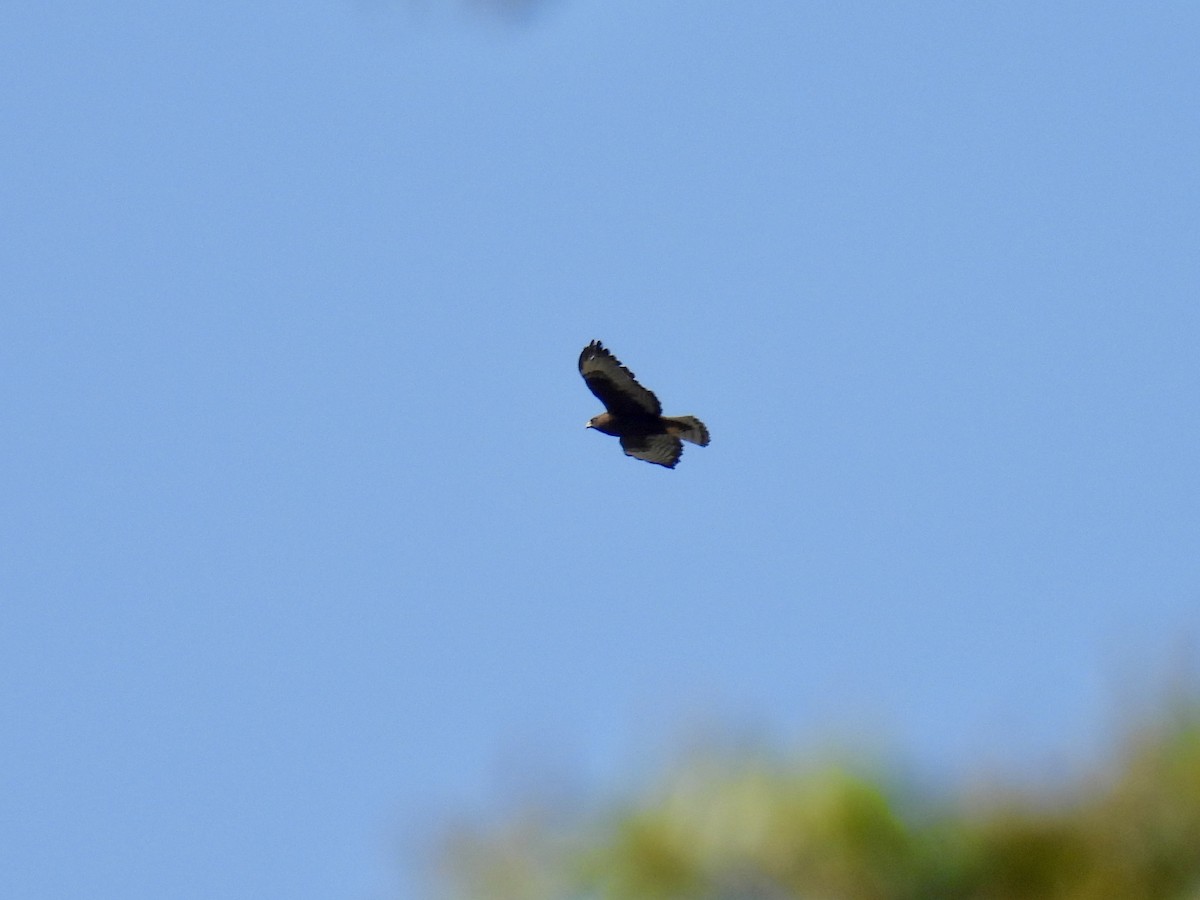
[687,427]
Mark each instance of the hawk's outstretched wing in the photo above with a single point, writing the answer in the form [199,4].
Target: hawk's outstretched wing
[615,385]
[656,448]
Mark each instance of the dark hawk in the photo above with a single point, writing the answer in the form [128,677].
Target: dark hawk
[633,413]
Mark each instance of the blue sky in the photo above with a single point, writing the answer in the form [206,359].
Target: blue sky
[305,549]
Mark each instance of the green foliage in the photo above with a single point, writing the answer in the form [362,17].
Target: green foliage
[753,829]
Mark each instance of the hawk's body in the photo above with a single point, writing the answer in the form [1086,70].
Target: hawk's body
[633,413]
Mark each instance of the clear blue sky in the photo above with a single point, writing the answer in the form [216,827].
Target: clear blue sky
[304,546]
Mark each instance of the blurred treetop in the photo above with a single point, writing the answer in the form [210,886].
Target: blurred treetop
[756,829]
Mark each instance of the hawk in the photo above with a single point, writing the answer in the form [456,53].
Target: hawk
[633,413]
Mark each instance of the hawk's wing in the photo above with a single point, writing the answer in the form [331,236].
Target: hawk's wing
[614,384]
[656,448]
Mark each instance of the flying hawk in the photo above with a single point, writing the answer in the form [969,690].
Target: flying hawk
[634,413]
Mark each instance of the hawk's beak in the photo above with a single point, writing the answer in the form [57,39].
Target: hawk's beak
[588,425]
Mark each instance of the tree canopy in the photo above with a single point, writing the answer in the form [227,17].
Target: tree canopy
[755,827]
